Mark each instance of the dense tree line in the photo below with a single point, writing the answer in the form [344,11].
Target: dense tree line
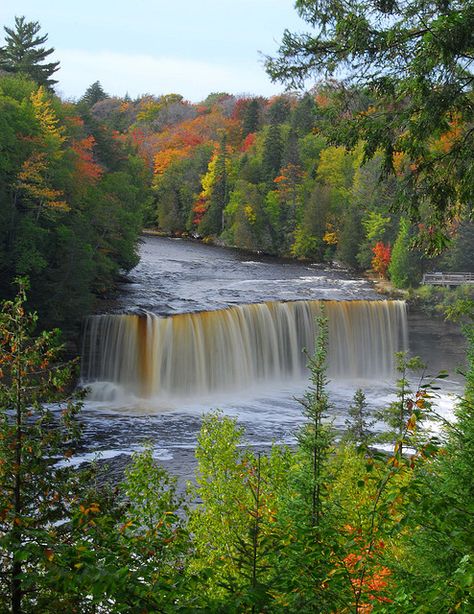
[284,189]
[265,175]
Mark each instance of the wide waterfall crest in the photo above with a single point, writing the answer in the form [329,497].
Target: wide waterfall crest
[233,348]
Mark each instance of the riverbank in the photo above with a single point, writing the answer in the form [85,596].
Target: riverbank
[449,303]
[433,301]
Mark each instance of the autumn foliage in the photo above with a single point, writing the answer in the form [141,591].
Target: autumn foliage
[165,157]
[381,260]
[249,141]
[69,192]
[86,167]
[34,184]
[368,577]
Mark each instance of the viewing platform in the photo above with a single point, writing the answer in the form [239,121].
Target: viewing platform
[448,279]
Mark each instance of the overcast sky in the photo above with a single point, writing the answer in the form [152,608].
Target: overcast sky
[189,47]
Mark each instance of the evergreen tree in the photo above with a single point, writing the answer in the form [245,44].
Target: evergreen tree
[291,154]
[24,52]
[307,523]
[251,117]
[213,220]
[358,423]
[350,237]
[460,256]
[272,153]
[250,169]
[288,192]
[279,110]
[315,438]
[310,230]
[304,115]
[94,93]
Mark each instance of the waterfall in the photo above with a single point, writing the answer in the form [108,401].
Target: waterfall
[230,349]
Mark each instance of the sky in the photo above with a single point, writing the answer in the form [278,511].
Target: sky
[135,47]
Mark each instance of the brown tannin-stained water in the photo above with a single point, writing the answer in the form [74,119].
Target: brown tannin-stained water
[229,349]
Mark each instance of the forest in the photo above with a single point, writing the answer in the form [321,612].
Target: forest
[81,179]
[374,172]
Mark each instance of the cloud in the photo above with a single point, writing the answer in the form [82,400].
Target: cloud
[137,74]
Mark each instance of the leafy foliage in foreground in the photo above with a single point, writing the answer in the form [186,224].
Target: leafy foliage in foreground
[35,493]
[325,528]
[65,542]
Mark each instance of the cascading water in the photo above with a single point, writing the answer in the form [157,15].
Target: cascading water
[231,349]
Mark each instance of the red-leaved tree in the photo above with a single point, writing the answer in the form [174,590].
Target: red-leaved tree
[381,260]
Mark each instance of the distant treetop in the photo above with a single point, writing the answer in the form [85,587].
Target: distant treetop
[24,52]
[94,93]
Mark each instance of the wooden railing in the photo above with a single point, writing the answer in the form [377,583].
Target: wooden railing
[448,279]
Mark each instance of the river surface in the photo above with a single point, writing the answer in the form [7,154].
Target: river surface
[176,276]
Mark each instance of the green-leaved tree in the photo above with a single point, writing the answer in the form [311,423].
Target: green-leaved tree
[36,494]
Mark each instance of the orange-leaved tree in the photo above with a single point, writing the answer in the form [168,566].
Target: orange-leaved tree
[381,260]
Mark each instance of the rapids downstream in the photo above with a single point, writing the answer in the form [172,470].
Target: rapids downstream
[200,327]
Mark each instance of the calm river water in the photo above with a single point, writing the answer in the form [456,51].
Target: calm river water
[177,276]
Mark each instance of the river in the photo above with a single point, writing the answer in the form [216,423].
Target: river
[153,372]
